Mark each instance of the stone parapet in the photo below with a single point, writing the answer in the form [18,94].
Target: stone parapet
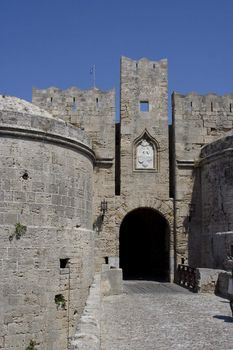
[111,281]
[208,279]
[87,334]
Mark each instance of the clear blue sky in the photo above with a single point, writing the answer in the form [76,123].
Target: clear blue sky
[55,42]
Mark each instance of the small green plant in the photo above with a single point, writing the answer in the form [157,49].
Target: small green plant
[60,301]
[20,230]
[31,346]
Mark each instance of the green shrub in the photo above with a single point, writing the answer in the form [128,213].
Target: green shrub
[31,346]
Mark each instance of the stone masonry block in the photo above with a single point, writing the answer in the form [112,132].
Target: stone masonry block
[111,282]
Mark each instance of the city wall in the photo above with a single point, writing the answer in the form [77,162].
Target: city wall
[197,121]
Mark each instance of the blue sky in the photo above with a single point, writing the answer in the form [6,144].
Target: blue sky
[55,42]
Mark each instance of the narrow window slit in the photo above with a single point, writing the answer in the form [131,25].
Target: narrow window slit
[74,105]
[211,106]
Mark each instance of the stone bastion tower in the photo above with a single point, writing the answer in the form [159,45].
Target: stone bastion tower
[46,236]
[202,152]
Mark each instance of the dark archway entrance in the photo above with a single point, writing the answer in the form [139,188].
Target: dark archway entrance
[144,245]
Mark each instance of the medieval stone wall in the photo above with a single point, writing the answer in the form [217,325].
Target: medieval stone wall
[197,121]
[216,197]
[93,111]
[53,180]
[46,237]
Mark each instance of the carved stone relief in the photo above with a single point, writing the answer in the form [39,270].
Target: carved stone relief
[144,155]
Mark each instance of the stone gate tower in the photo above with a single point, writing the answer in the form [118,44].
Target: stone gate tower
[144,215]
[78,191]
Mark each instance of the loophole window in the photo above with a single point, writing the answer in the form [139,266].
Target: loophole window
[64,263]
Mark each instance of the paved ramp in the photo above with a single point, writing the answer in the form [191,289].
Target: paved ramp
[151,287]
[164,316]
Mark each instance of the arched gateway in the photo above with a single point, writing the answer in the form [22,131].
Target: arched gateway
[144,245]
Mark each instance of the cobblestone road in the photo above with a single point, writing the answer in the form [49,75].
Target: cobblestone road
[151,315]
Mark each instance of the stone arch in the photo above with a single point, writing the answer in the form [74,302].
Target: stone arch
[144,245]
[165,208]
[145,153]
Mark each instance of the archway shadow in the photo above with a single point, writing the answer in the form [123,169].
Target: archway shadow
[145,278]
[144,246]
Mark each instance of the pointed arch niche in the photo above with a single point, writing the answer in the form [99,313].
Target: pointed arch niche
[145,153]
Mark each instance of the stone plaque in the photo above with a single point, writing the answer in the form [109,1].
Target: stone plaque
[144,155]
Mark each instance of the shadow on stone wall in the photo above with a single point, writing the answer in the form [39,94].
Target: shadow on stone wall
[98,223]
[193,222]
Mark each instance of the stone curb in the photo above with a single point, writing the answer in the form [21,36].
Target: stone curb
[87,335]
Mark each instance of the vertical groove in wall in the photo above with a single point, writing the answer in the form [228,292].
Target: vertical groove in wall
[171,162]
[173,149]
[117,160]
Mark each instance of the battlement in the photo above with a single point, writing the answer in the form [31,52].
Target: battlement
[144,89]
[148,77]
[73,101]
[143,65]
[92,110]
[199,120]
[210,102]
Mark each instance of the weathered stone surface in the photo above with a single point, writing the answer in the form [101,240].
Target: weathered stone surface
[87,333]
[57,169]
[223,250]
[223,283]
[144,82]
[216,202]
[111,282]
[94,112]
[198,121]
[208,280]
[47,263]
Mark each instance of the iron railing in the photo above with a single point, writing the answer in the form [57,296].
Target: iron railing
[188,277]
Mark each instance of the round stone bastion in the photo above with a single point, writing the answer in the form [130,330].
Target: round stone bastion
[46,236]
[216,170]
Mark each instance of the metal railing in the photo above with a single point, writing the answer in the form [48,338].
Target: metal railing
[187,277]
